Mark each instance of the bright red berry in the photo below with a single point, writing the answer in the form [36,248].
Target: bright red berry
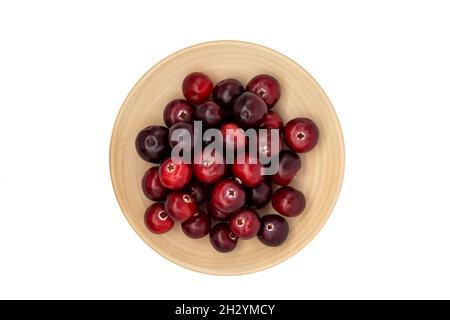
[157,220]
[180,206]
[228,196]
[245,223]
[197,87]
[301,134]
[174,174]
[249,172]
[152,186]
[267,87]
[288,201]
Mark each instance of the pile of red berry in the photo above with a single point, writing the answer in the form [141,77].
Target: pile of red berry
[230,193]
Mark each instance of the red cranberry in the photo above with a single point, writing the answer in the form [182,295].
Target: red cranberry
[245,223]
[157,220]
[228,196]
[197,87]
[301,134]
[274,230]
[209,168]
[180,206]
[209,113]
[233,136]
[217,214]
[178,110]
[174,174]
[265,146]
[152,143]
[152,186]
[272,120]
[288,201]
[181,131]
[226,91]
[197,226]
[249,110]
[249,173]
[222,239]
[198,191]
[289,165]
[260,195]
[267,87]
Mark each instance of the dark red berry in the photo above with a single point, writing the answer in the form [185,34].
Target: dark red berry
[174,174]
[217,214]
[228,196]
[226,91]
[233,136]
[272,120]
[301,134]
[152,186]
[152,144]
[209,168]
[260,195]
[265,146]
[209,113]
[289,165]
[157,220]
[198,191]
[249,172]
[180,206]
[274,230]
[245,223]
[267,87]
[288,201]
[197,87]
[197,226]
[249,110]
[178,110]
[181,132]
[222,238]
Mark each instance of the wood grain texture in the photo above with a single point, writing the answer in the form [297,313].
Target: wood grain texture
[320,177]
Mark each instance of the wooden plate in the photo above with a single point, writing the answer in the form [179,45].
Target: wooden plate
[320,177]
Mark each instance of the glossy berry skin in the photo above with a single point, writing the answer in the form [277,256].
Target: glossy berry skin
[266,147]
[198,191]
[178,110]
[272,120]
[274,230]
[152,143]
[288,201]
[267,87]
[289,165]
[249,173]
[152,186]
[209,168]
[210,114]
[157,220]
[217,214]
[226,91]
[301,134]
[233,136]
[249,110]
[174,174]
[180,206]
[222,238]
[228,196]
[245,223]
[197,87]
[181,131]
[197,226]
[260,195]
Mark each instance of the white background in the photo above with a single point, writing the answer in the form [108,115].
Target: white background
[66,67]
